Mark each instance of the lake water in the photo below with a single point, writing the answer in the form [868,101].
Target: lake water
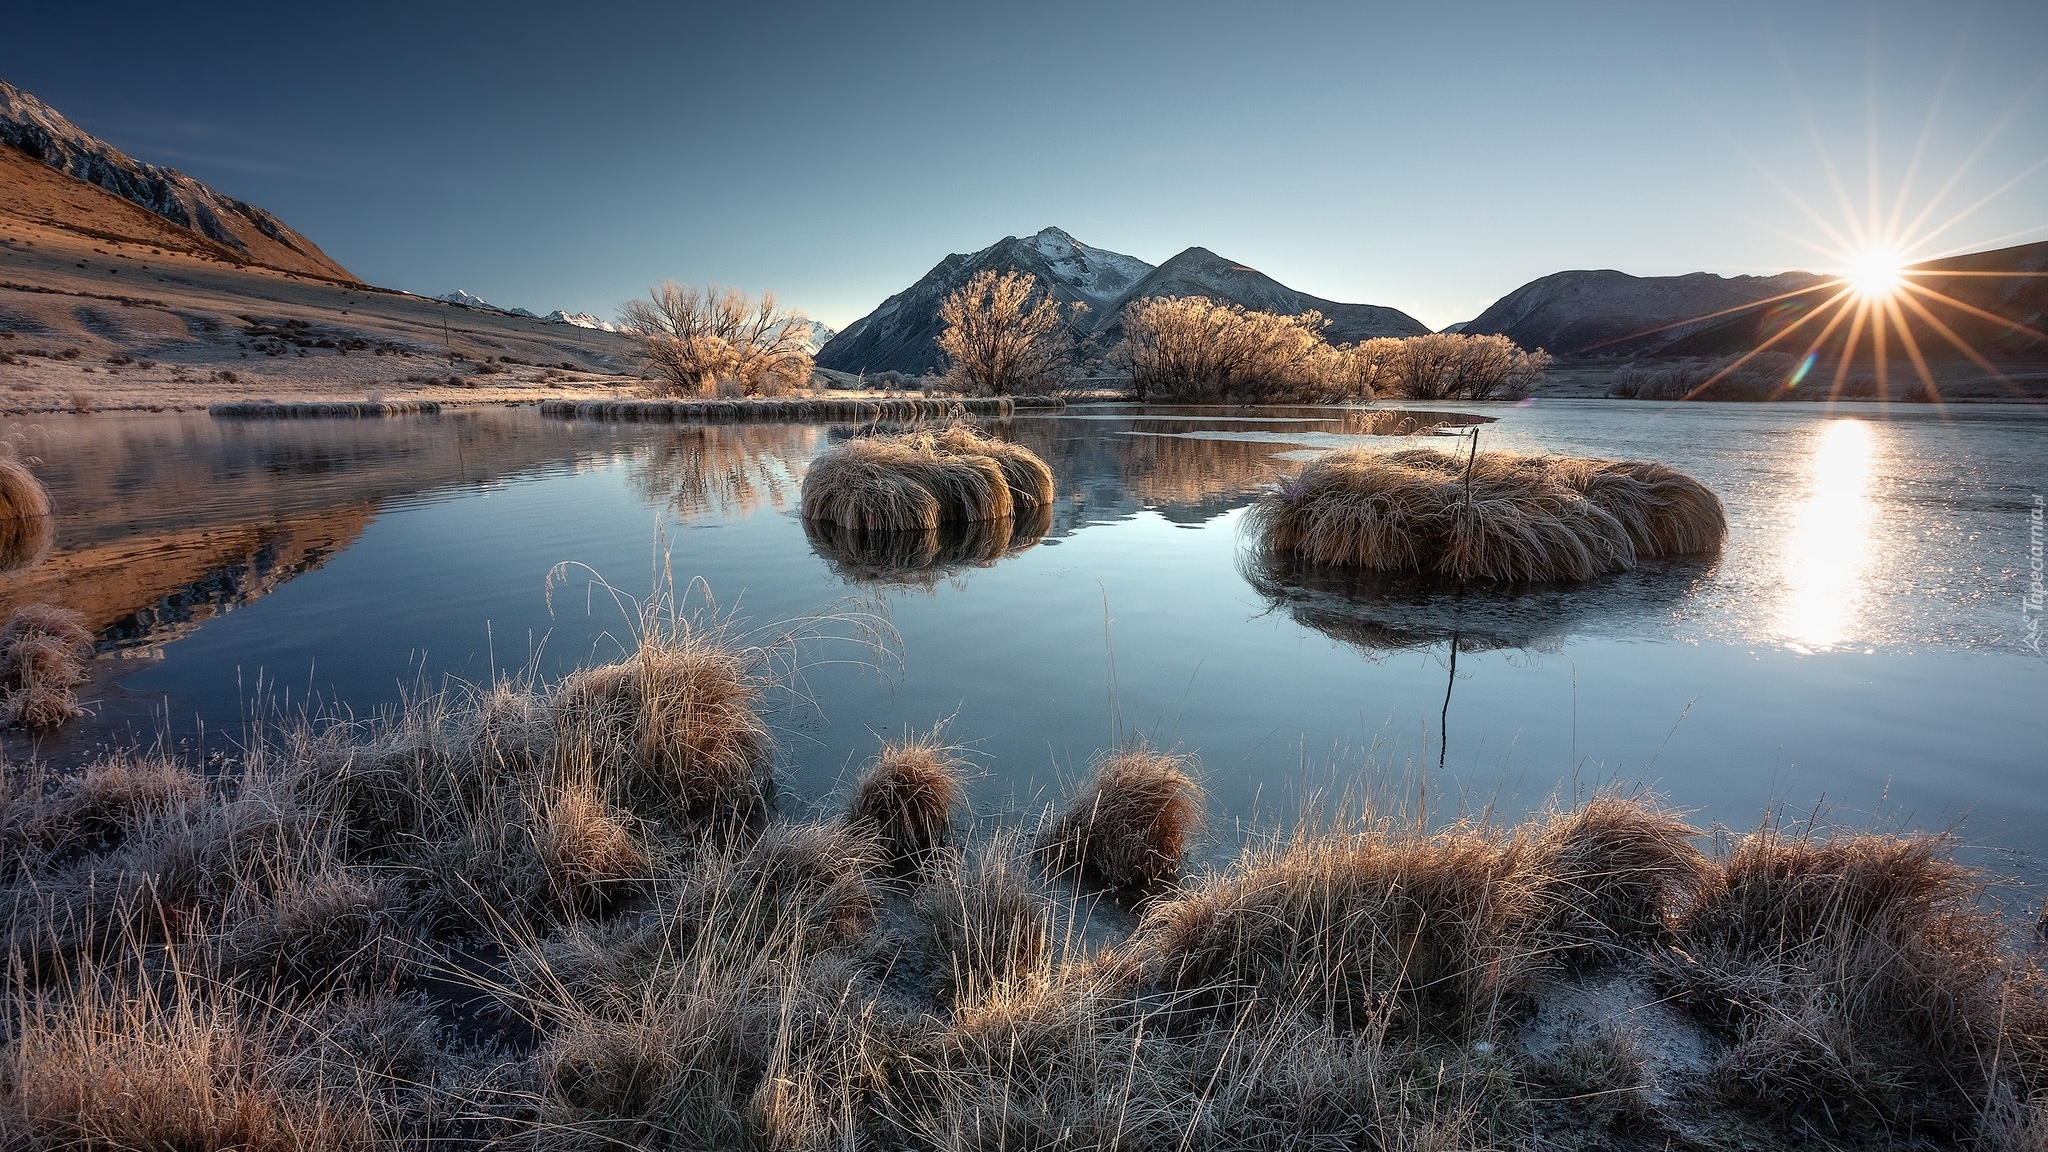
[1860,645]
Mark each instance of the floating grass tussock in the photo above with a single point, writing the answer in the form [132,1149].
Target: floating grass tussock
[44,650]
[916,481]
[1130,827]
[826,408]
[911,798]
[313,409]
[22,496]
[1499,516]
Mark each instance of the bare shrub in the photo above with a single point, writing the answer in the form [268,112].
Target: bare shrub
[1130,826]
[1765,376]
[1002,336]
[1195,350]
[695,337]
[1449,365]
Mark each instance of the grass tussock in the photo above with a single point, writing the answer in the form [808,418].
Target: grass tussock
[44,651]
[1506,517]
[1131,826]
[916,481]
[676,724]
[1864,987]
[911,798]
[987,921]
[22,496]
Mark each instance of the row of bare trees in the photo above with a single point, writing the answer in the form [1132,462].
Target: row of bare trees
[1003,334]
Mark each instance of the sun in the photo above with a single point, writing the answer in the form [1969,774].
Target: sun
[1875,273]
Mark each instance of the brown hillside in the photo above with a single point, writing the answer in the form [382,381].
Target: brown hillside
[35,193]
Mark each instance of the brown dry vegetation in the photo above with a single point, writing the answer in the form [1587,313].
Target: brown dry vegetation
[1132,825]
[700,340]
[523,918]
[1195,350]
[916,481]
[43,655]
[1497,516]
[1002,336]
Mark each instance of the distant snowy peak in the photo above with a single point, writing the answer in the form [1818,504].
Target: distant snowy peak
[581,320]
[816,335]
[1096,274]
[468,301]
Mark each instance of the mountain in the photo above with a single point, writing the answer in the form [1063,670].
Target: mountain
[243,232]
[467,300]
[1606,312]
[902,334]
[1996,303]
[817,335]
[1200,272]
[580,320]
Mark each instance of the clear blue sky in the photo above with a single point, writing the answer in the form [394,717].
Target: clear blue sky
[1430,157]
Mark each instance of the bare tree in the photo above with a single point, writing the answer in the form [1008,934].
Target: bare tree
[1448,365]
[698,338]
[1003,336]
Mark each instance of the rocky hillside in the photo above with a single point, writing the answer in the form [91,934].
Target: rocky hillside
[246,233]
[902,334]
[1200,272]
[1606,312]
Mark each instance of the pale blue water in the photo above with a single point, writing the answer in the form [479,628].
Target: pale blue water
[1861,644]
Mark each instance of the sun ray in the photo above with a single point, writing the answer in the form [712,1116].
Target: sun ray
[1985,199]
[1912,346]
[1848,350]
[1973,310]
[1765,346]
[1961,344]
[1956,177]
[1926,137]
[1749,307]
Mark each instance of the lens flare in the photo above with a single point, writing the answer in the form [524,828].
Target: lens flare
[1875,274]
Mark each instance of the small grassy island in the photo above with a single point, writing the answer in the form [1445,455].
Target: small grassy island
[916,481]
[1492,516]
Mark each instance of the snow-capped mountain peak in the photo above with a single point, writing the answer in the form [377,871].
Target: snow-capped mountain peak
[1095,274]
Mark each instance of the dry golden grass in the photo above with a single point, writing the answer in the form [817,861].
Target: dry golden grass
[918,480]
[910,798]
[588,849]
[676,724]
[1131,825]
[43,655]
[1615,874]
[1423,934]
[22,496]
[987,921]
[1511,518]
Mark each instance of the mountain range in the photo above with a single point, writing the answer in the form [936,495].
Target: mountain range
[902,334]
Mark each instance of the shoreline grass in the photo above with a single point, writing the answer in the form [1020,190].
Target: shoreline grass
[319,409]
[797,408]
[1497,516]
[569,916]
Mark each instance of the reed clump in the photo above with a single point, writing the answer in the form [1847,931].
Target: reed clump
[986,920]
[44,650]
[1132,824]
[1494,516]
[911,798]
[918,480]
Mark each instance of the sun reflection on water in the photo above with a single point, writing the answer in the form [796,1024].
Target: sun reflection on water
[1828,549]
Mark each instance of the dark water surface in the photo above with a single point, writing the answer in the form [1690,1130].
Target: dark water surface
[1861,643]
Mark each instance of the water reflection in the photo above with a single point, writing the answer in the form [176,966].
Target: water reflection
[1380,614]
[1827,551]
[924,559]
[722,471]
